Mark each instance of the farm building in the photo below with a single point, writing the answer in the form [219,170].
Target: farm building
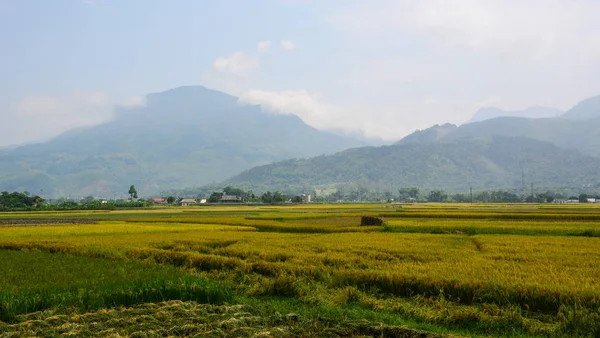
[230,199]
[187,202]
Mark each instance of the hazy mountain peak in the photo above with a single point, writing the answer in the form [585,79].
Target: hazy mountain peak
[182,137]
[432,134]
[584,110]
[191,96]
[534,112]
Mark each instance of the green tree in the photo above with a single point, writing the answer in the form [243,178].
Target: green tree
[132,193]
[19,201]
[215,197]
[279,197]
[267,197]
[437,196]
[170,199]
[88,199]
[406,193]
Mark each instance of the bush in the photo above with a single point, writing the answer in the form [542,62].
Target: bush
[371,220]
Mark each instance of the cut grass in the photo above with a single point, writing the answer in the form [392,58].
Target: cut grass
[176,318]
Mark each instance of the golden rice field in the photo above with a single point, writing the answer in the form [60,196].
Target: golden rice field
[465,270]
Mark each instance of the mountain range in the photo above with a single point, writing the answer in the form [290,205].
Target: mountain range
[497,153]
[531,113]
[193,136]
[188,136]
[578,128]
[495,162]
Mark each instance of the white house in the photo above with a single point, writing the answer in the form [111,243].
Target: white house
[187,202]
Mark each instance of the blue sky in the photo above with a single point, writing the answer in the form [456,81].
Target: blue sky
[382,68]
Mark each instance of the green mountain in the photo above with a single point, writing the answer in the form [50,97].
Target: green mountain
[583,136]
[579,129]
[484,163]
[187,136]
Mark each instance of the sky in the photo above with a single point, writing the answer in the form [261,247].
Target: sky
[377,68]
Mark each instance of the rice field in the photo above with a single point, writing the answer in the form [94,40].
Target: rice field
[434,269]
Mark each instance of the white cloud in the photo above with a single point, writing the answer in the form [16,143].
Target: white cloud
[238,72]
[287,45]
[402,65]
[39,105]
[534,28]
[237,64]
[39,117]
[315,111]
[133,101]
[263,46]
[438,60]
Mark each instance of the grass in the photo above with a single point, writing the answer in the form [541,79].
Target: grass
[495,270]
[35,281]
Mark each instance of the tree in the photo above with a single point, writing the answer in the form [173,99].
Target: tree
[19,201]
[234,191]
[461,198]
[132,192]
[267,197]
[279,197]
[215,197]
[88,199]
[170,199]
[437,196]
[406,193]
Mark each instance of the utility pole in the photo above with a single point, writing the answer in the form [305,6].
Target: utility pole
[531,191]
[523,181]
[471,188]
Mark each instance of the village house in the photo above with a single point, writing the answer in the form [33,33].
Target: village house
[187,202]
[159,200]
[230,199]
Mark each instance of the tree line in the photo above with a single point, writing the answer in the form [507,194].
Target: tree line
[250,197]
[23,201]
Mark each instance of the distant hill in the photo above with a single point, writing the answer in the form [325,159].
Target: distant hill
[187,136]
[531,112]
[484,163]
[585,110]
[570,134]
[578,129]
